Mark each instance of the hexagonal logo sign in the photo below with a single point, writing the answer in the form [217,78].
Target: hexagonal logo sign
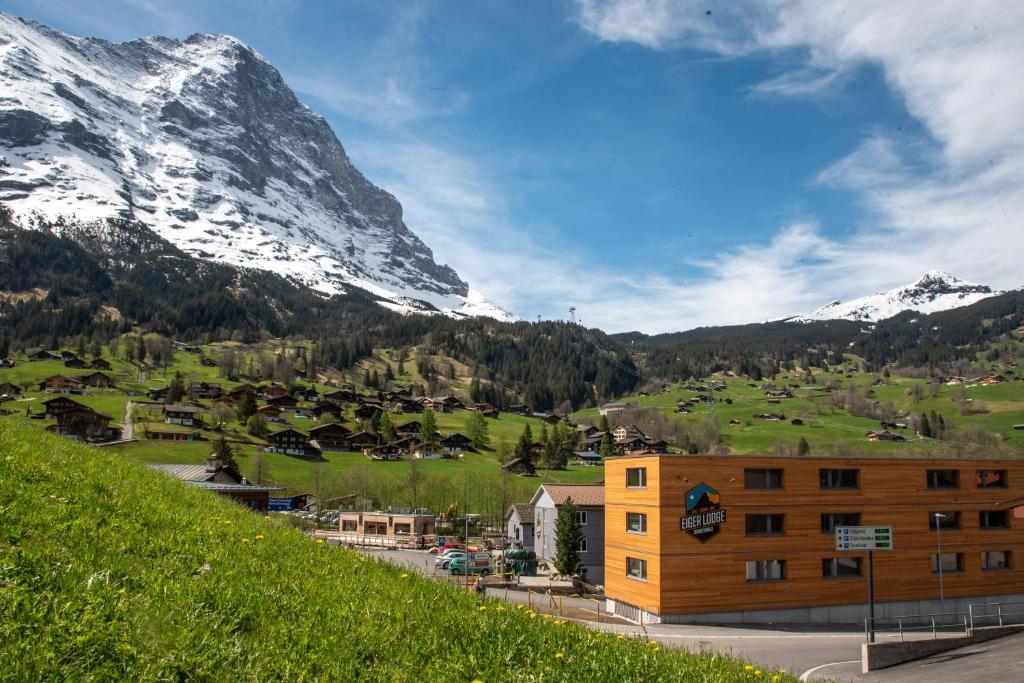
[704,513]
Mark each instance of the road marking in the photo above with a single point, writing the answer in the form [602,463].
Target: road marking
[804,675]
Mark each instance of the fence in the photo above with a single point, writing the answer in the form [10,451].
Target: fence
[940,623]
[995,614]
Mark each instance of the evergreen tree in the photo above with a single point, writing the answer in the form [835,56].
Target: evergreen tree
[255,425]
[386,427]
[366,378]
[176,389]
[389,374]
[568,538]
[428,427]
[226,456]
[140,350]
[607,447]
[478,431]
[525,443]
[246,407]
[603,424]
[926,427]
[550,455]
[375,424]
[803,448]
[375,378]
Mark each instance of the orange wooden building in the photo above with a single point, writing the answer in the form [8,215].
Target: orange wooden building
[748,539]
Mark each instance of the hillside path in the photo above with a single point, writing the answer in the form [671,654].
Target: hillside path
[127,428]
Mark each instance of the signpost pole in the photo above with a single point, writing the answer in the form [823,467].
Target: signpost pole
[871,595]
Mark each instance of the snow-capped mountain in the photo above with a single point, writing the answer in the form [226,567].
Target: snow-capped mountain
[202,141]
[932,292]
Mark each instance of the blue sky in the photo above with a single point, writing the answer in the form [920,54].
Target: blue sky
[659,165]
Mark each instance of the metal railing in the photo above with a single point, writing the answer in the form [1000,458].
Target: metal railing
[995,613]
[944,623]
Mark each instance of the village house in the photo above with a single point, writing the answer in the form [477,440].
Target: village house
[207,362]
[521,466]
[169,435]
[428,450]
[587,430]
[612,408]
[68,355]
[339,396]
[269,411]
[184,415]
[321,409]
[59,384]
[239,392]
[294,443]
[285,402]
[6,363]
[75,364]
[409,428]
[270,391]
[550,418]
[55,406]
[455,442]
[97,380]
[100,364]
[419,529]
[331,436]
[367,411]
[588,458]
[42,354]
[589,501]
[8,389]
[625,432]
[83,424]
[388,451]
[207,390]
[213,476]
[361,440]
[518,409]
[885,436]
[519,526]
[159,394]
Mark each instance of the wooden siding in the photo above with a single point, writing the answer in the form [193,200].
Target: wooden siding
[687,576]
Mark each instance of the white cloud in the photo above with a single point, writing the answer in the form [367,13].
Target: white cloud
[952,200]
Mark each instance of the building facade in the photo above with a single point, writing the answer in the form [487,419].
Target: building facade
[519,526]
[589,502]
[731,539]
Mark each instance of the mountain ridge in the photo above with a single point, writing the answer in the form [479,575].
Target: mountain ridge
[203,141]
[933,292]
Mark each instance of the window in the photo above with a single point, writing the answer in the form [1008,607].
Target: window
[994,519]
[403,529]
[947,521]
[839,567]
[583,545]
[375,528]
[517,532]
[348,525]
[762,478]
[636,477]
[839,479]
[766,570]
[581,517]
[636,569]
[636,523]
[997,559]
[765,524]
[830,520]
[991,479]
[950,562]
[943,479]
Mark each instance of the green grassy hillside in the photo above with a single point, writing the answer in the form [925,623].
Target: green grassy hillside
[110,571]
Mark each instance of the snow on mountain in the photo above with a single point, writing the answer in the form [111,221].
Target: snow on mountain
[934,291]
[204,142]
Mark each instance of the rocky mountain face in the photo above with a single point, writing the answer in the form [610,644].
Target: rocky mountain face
[934,291]
[202,141]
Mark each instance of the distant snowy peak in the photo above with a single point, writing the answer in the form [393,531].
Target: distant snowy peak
[204,142]
[934,291]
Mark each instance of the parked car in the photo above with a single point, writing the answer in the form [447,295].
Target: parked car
[443,559]
[478,563]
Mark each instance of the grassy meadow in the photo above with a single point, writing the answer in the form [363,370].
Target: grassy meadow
[111,571]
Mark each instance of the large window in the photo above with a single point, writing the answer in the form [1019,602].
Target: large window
[991,479]
[758,525]
[951,562]
[762,478]
[840,567]
[348,525]
[997,559]
[581,517]
[994,519]
[636,569]
[375,528]
[946,521]
[766,570]
[830,520]
[636,523]
[839,479]
[943,479]
[636,477]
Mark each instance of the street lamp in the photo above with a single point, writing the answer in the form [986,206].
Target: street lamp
[938,558]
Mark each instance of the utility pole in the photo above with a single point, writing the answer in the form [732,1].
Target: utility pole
[466,514]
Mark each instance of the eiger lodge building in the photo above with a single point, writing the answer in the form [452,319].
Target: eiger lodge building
[729,539]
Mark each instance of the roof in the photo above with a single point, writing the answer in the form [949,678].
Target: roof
[220,486]
[524,511]
[176,408]
[193,473]
[581,494]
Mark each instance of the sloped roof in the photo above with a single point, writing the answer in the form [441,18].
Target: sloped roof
[581,494]
[194,473]
[522,510]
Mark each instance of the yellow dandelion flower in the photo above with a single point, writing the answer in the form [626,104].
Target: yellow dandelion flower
[776,679]
[259,537]
[404,576]
[319,540]
[558,655]
[500,608]
[533,615]
[477,680]
[757,673]
[227,521]
[482,608]
[547,616]
[748,668]
[620,637]
[520,606]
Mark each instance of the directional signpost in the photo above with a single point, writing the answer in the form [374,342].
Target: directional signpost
[869,538]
